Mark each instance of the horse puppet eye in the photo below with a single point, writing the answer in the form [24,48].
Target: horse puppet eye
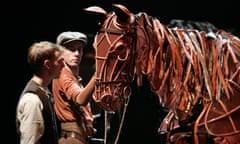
[119,48]
[119,45]
[121,51]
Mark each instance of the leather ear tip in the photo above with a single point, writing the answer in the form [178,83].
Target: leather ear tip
[95,10]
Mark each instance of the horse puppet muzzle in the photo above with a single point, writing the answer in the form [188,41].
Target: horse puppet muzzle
[112,95]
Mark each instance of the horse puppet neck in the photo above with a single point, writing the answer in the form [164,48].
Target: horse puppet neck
[184,62]
[158,57]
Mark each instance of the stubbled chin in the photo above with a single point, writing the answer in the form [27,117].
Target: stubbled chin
[75,63]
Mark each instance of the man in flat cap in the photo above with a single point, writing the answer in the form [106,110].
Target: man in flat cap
[72,105]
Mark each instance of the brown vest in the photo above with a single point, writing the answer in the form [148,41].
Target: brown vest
[50,132]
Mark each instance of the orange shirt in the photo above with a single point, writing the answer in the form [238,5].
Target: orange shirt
[65,90]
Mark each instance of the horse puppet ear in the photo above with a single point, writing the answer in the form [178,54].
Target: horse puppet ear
[95,10]
[123,14]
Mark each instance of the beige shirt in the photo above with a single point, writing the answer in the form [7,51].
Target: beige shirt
[29,114]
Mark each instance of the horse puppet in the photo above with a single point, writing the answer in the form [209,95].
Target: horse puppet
[195,74]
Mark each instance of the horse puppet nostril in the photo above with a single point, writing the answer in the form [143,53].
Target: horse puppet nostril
[110,102]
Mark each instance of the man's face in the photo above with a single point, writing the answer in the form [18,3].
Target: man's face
[73,53]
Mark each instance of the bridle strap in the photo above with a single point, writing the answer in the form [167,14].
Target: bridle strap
[113,81]
[113,31]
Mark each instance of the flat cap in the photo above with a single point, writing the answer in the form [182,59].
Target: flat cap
[69,36]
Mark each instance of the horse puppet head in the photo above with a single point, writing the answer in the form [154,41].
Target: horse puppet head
[125,47]
[114,46]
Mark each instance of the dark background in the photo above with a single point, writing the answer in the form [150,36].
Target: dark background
[25,22]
